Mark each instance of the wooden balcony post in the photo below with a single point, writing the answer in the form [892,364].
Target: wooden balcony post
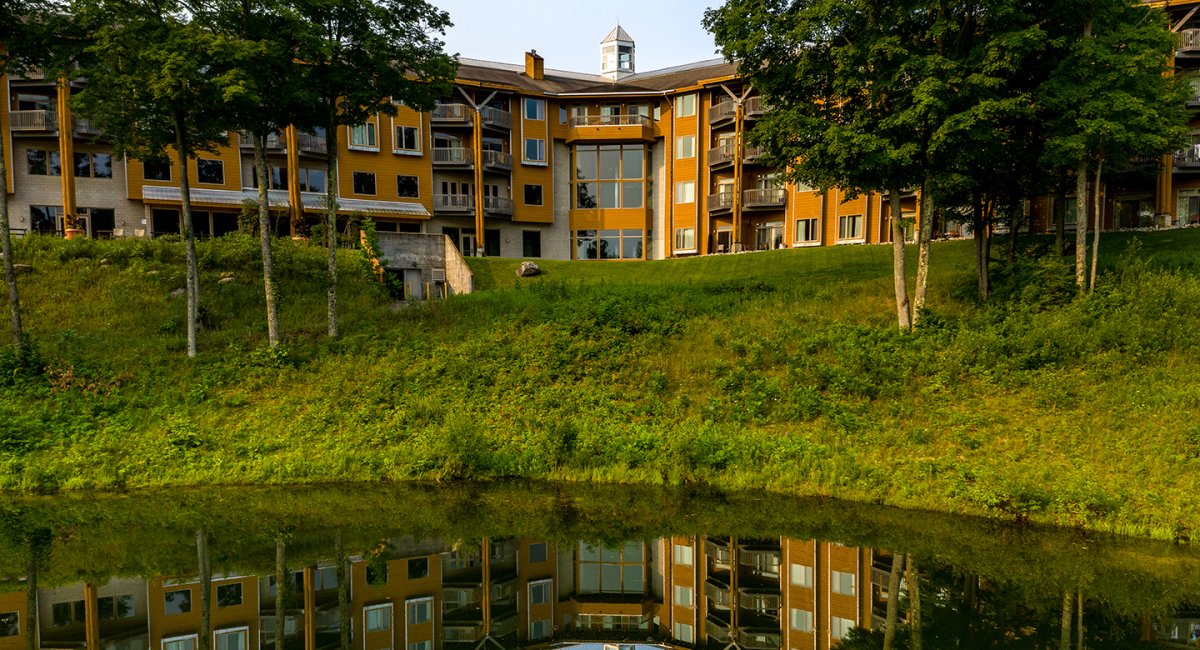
[66,157]
[91,617]
[310,609]
[295,202]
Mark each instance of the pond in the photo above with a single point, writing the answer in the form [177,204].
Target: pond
[468,567]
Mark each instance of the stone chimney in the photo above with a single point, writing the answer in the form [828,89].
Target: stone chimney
[535,67]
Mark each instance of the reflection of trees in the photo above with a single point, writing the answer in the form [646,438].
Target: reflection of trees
[205,588]
[584,200]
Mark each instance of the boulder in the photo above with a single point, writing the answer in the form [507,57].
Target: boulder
[19,269]
[528,270]
[178,292]
[226,279]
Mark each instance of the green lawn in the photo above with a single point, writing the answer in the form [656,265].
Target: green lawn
[779,369]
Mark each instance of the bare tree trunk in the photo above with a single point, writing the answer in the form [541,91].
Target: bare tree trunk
[914,603]
[205,589]
[280,587]
[899,272]
[265,233]
[189,238]
[893,603]
[924,236]
[979,230]
[1096,230]
[10,274]
[343,580]
[331,226]
[1081,221]
[1068,607]
[1079,619]
[989,219]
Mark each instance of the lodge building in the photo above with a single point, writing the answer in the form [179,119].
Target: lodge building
[525,161]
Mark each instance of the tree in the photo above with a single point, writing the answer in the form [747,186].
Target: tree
[160,81]
[362,58]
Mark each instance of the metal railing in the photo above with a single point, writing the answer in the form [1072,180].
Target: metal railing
[755,106]
[453,202]
[313,143]
[498,205]
[721,154]
[452,156]
[633,119]
[497,159]
[723,110]
[750,154]
[1188,157]
[771,197]
[36,120]
[720,201]
[84,127]
[274,141]
[496,117]
[1189,40]
[450,113]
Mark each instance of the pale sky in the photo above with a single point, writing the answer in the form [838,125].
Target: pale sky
[567,33]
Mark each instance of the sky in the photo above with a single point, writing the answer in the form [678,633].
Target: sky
[567,33]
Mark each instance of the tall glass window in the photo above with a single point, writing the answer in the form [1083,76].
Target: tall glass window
[619,570]
[609,176]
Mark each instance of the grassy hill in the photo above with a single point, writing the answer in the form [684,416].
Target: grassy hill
[779,370]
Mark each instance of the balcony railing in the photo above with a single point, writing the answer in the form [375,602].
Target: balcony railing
[497,160]
[313,143]
[453,202]
[720,154]
[755,106]
[758,640]
[496,117]
[84,127]
[498,205]
[717,594]
[1188,157]
[612,120]
[36,120]
[765,198]
[1189,41]
[751,154]
[718,632]
[273,140]
[456,113]
[721,111]
[720,201]
[453,156]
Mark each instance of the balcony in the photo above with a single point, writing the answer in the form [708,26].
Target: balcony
[497,205]
[1189,42]
[723,111]
[84,127]
[758,639]
[751,154]
[453,203]
[765,199]
[497,160]
[453,157]
[310,143]
[610,128]
[721,155]
[274,141]
[450,114]
[717,631]
[756,107]
[496,118]
[1188,158]
[44,121]
[717,594]
[721,202]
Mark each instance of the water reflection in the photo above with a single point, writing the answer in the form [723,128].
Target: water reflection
[385,586]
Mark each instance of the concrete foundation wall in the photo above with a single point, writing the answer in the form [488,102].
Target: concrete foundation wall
[425,253]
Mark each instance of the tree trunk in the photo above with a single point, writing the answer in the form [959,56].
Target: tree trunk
[893,603]
[1068,607]
[32,554]
[1096,230]
[1081,221]
[205,589]
[980,236]
[989,219]
[924,236]
[899,271]
[914,603]
[189,238]
[10,274]
[1079,619]
[343,580]
[265,233]
[1014,225]
[280,587]
[1060,223]
[331,227]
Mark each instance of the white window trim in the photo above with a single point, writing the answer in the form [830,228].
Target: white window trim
[414,601]
[806,243]
[541,109]
[678,185]
[180,637]
[362,147]
[862,237]
[525,150]
[695,245]
[678,148]
[549,584]
[675,551]
[835,584]
[679,105]
[420,127]
[245,629]
[691,596]
[372,608]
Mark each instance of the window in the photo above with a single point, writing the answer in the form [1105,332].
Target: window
[93,165]
[850,227]
[421,645]
[685,147]
[42,163]
[364,182]
[10,624]
[683,596]
[67,613]
[839,627]
[363,136]
[418,568]
[229,595]
[210,171]
[537,551]
[231,639]
[535,150]
[45,219]
[377,574]
[609,176]
[685,192]
[802,620]
[842,583]
[378,617]
[156,170]
[407,187]
[407,139]
[806,231]
[531,246]
[540,629]
[419,610]
[180,643]
[562,114]
[539,592]
[802,576]
[616,570]
[609,244]
[685,239]
[683,555]
[683,633]
[114,607]
[178,602]
[685,105]
[535,109]
[312,180]
[533,195]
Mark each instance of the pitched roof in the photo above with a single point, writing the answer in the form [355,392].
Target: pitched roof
[618,34]
[563,81]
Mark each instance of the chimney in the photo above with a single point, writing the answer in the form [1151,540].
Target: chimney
[535,67]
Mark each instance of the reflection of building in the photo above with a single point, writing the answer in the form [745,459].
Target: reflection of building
[754,594]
